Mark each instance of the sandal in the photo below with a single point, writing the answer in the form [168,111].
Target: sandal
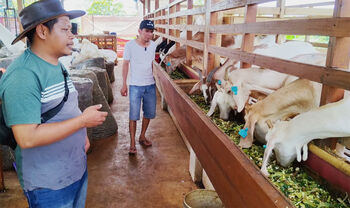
[132,151]
[145,143]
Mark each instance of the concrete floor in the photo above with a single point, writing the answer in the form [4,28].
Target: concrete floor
[156,177]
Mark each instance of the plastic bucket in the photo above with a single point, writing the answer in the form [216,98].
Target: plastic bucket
[202,198]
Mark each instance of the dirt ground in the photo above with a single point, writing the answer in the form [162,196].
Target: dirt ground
[156,177]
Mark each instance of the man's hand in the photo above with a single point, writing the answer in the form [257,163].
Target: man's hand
[124,90]
[87,144]
[92,117]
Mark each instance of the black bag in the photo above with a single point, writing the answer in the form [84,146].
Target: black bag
[6,135]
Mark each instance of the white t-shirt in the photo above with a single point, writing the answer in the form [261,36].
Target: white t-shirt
[140,62]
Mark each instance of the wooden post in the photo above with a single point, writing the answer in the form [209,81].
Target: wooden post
[248,39]
[157,14]
[282,5]
[164,21]
[216,18]
[206,36]
[148,7]
[337,56]
[178,22]
[170,20]
[210,61]
[144,8]
[189,34]
[19,9]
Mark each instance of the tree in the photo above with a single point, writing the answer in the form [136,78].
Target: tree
[105,7]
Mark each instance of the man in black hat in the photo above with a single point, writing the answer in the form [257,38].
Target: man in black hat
[139,55]
[51,156]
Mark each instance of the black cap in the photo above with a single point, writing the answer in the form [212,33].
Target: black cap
[148,24]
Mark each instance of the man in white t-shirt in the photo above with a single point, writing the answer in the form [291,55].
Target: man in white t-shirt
[138,56]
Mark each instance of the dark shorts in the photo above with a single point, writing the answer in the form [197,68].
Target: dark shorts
[146,94]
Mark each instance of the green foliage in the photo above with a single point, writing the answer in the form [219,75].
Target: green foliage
[14,4]
[316,38]
[27,2]
[198,2]
[105,7]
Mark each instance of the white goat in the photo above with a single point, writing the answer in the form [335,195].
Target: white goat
[288,101]
[287,138]
[268,79]
[224,101]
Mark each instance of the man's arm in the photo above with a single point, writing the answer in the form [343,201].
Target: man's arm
[34,135]
[124,90]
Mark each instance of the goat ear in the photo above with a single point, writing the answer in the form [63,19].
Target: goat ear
[194,88]
[199,74]
[269,123]
[227,71]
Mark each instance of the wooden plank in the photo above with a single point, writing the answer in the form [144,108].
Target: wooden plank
[186,81]
[321,45]
[164,13]
[19,9]
[308,11]
[176,2]
[194,11]
[144,10]
[225,5]
[214,39]
[183,27]
[192,43]
[248,38]
[261,11]
[314,4]
[324,75]
[236,179]
[337,27]
[282,5]
[192,74]
[189,21]
[177,21]
[170,19]
[156,6]
[148,6]
[206,37]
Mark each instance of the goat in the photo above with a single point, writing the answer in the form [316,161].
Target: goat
[288,101]
[287,138]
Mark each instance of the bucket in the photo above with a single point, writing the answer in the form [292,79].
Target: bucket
[202,198]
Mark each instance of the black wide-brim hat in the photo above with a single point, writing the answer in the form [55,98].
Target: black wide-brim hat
[41,12]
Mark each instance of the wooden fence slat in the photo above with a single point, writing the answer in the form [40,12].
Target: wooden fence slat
[225,5]
[309,11]
[182,27]
[248,39]
[189,21]
[324,75]
[314,4]
[336,27]
[192,43]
